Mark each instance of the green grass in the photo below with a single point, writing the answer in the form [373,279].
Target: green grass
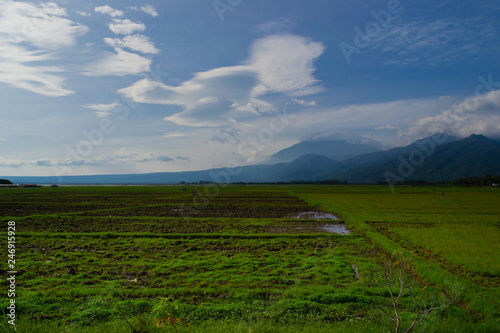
[86,255]
[454,237]
[467,220]
[474,246]
[275,264]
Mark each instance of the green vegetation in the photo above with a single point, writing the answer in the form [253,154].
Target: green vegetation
[153,259]
[469,245]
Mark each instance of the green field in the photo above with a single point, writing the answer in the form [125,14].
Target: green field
[92,259]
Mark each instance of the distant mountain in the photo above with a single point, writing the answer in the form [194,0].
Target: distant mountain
[427,160]
[338,150]
[371,158]
[437,158]
[309,167]
[306,167]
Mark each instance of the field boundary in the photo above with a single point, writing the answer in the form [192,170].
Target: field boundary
[175,236]
[447,265]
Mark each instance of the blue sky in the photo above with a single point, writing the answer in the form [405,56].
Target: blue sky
[101,87]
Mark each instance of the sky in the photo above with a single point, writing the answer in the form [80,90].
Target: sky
[114,87]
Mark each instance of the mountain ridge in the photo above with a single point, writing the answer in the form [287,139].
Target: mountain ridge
[436,158]
[334,149]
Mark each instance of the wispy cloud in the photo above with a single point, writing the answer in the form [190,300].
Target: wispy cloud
[135,42]
[18,163]
[174,135]
[44,27]
[475,115]
[109,10]
[385,127]
[122,156]
[304,103]
[285,63]
[120,63]
[338,135]
[226,135]
[275,27]
[103,107]
[103,110]
[438,42]
[148,9]
[125,155]
[81,13]
[125,27]
[277,64]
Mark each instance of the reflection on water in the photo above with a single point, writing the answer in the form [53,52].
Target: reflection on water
[337,229]
[315,216]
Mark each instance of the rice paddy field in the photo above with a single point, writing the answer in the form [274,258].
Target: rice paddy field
[247,258]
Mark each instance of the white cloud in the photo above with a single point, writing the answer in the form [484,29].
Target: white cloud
[338,135]
[274,27]
[148,9]
[208,100]
[304,103]
[285,64]
[277,64]
[109,10]
[120,63]
[103,110]
[438,42]
[174,135]
[44,27]
[359,119]
[40,79]
[103,107]
[476,115]
[125,155]
[81,13]
[18,163]
[385,127]
[125,27]
[135,42]
[103,114]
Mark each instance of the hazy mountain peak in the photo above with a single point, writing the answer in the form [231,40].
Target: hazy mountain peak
[338,150]
[340,136]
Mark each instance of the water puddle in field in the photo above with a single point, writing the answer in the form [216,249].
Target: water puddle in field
[334,228]
[356,272]
[314,216]
[340,229]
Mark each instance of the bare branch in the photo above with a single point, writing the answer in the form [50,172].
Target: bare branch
[399,274]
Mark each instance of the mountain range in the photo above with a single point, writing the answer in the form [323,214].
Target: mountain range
[338,150]
[436,158]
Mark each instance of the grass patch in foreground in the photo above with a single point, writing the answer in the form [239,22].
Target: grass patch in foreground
[474,246]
